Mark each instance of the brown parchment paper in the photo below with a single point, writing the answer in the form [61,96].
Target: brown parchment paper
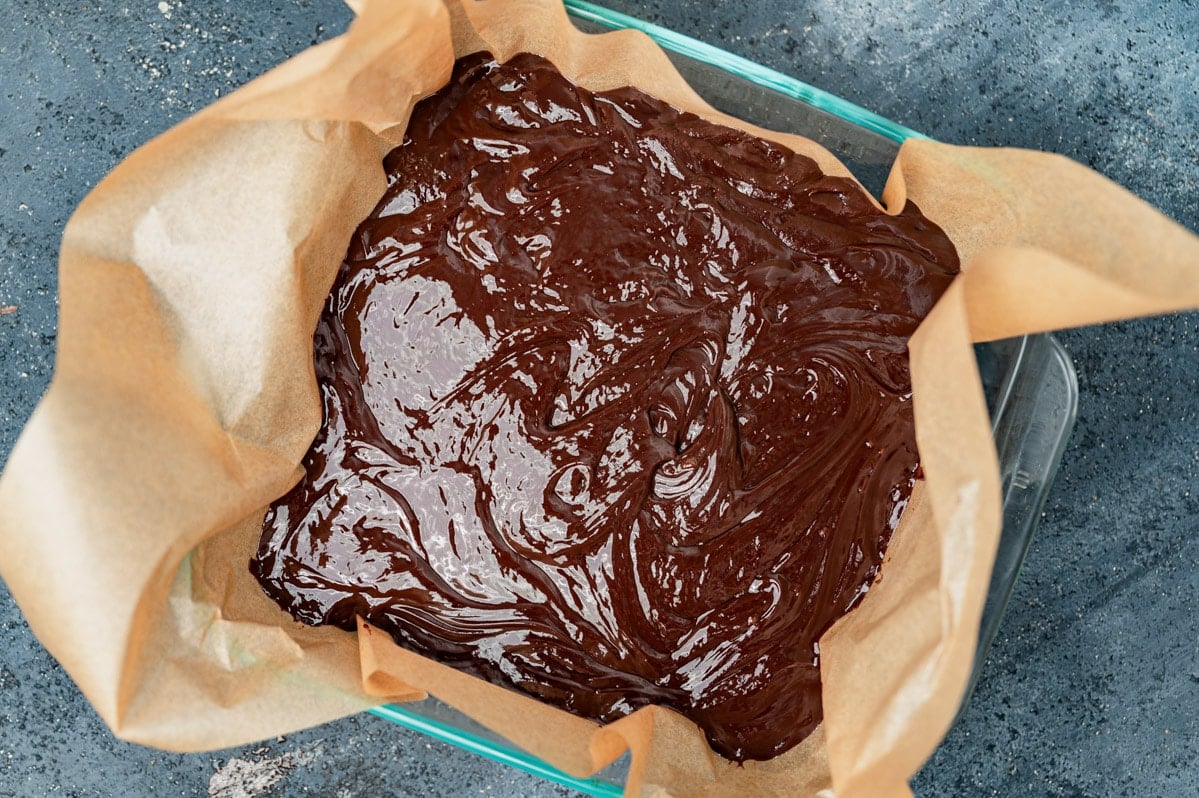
[183,399]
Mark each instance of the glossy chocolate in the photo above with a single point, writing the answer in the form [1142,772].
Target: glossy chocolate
[617,406]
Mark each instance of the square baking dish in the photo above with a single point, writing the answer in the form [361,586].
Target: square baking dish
[1031,389]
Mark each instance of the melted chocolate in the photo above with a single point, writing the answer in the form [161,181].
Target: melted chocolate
[617,406]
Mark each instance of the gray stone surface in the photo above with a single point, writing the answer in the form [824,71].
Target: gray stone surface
[1092,687]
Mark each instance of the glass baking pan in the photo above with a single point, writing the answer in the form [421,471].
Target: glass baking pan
[1029,382]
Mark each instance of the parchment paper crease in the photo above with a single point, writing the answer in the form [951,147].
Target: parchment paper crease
[183,399]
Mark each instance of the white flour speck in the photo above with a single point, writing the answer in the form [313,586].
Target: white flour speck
[245,778]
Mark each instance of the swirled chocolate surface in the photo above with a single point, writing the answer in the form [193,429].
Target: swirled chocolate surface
[617,406]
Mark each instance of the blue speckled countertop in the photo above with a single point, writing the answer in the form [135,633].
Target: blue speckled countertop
[1092,686]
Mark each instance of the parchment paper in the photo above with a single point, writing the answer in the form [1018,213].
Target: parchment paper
[184,397]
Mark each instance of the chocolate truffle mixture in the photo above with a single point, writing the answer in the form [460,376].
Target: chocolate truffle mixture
[617,406]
